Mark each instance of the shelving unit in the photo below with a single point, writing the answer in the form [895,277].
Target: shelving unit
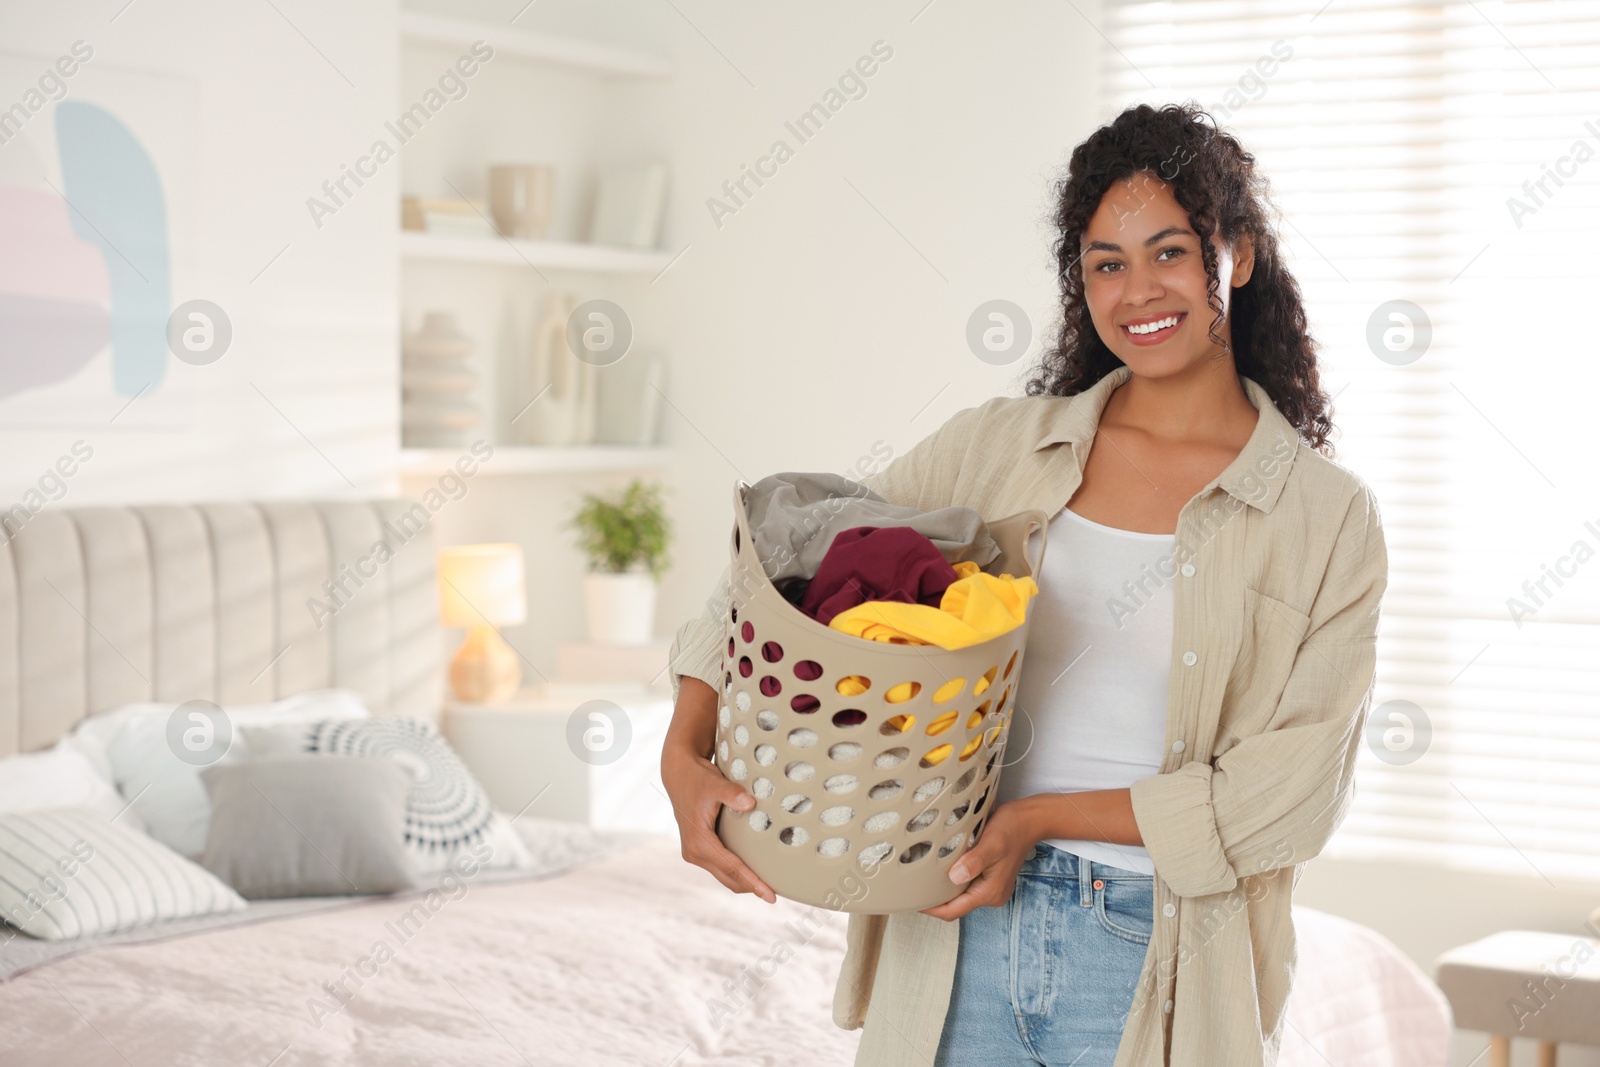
[598,76]
[545,255]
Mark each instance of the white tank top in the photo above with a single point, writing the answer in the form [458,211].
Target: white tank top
[1091,707]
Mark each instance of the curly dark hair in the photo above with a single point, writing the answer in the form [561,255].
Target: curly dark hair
[1215,180]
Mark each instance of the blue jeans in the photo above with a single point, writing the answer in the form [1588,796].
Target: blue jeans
[1048,977]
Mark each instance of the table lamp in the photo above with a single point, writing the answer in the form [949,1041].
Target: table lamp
[481,588]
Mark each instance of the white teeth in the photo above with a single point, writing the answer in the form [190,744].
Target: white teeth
[1152,327]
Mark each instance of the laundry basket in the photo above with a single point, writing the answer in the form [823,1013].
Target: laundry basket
[863,802]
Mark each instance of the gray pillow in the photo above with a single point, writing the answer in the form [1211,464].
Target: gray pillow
[297,826]
[449,813]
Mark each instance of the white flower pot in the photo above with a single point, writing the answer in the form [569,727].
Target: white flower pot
[620,607]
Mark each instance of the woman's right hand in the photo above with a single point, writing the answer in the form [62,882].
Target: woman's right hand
[698,791]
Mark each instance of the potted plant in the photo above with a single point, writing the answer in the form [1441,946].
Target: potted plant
[626,542]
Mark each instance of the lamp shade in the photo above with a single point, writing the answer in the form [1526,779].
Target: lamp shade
[482,584]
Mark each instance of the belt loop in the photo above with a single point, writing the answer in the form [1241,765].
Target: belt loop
[1085,882]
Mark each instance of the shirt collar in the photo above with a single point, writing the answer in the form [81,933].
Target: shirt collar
[1255,476]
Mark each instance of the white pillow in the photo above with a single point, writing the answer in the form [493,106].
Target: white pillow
[61,778]
[130,745]
[65,872]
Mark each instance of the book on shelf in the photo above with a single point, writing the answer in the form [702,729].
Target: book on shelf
[449,216]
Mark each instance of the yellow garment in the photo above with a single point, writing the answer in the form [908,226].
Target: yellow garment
[976,607]
[852,685]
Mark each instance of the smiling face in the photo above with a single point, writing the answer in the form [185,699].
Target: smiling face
[1145,282]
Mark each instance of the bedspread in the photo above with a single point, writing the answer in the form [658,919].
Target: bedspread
[635,959]
[1357,1001]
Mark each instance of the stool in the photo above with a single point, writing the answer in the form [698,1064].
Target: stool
[1523,983]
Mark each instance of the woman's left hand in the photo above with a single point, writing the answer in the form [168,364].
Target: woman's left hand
[993,862]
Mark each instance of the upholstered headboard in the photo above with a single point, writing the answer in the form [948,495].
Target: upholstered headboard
[104,606]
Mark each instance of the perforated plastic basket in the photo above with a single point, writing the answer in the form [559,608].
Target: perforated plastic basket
[864,799]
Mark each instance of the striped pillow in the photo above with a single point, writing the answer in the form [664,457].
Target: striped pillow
[66,872]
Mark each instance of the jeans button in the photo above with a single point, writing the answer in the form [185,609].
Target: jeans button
[1098,884]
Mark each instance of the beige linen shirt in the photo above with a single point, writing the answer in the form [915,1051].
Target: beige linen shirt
[1279,567]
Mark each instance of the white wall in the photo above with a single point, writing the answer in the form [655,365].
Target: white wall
[829,312]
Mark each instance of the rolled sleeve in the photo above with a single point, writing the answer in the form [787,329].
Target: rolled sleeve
[1179,826]
[1274,798]
[697,647]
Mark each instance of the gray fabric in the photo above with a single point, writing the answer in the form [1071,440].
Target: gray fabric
[447,810]
[301,826]
[795,515]
[557,846]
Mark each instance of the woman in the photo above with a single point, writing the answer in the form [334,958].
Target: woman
[1200,663]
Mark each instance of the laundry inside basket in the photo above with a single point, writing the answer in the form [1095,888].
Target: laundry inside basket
[906,577]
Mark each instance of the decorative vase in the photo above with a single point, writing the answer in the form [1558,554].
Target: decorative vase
[567,408]
[521,198]
[620,608]
[436,385]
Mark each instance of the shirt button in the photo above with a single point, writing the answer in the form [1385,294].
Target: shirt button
[1168,1008]
[1168,910]
[1190,659]
[1177,746]
[1188,570]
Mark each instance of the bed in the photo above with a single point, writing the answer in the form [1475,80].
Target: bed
[609,950]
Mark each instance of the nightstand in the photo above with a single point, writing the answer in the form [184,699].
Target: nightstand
[589,754]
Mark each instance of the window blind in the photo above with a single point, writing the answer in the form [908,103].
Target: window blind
[1446,156]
